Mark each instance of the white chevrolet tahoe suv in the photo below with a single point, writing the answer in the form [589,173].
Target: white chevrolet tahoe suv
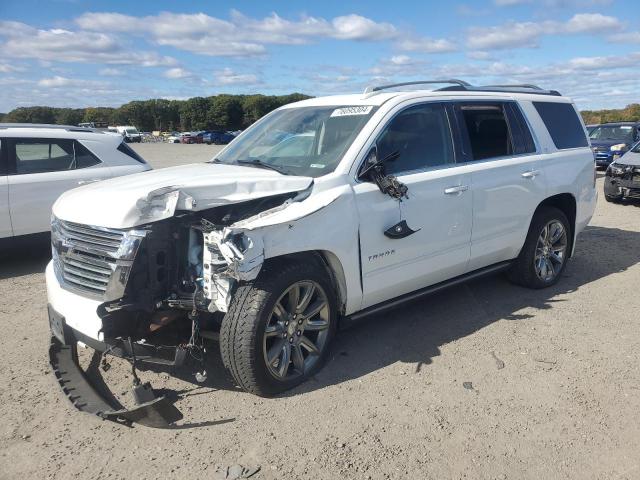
[325,209]
[40,162]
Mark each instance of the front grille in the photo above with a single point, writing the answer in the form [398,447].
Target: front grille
[87,273]
[93,261]
[102,240]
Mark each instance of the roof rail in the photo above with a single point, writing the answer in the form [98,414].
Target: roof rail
[373,89]
[69,128]
[460,85]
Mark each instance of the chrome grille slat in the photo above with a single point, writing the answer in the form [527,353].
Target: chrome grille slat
[91,258]
[92,267]
[86,274]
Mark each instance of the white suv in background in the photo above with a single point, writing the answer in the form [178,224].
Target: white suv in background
[40,162]
[388,196]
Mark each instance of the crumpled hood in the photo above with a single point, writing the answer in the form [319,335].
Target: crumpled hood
[126,202]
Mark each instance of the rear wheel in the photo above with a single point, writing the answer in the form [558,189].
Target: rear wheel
[279,328]
[545,252]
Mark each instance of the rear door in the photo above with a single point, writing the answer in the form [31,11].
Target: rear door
[508,182]
[40,170]
[5,218]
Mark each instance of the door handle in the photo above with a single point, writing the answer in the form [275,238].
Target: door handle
[84,182]
[531,174]
[455,190]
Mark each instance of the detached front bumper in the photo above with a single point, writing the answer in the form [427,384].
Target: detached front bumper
[72,319]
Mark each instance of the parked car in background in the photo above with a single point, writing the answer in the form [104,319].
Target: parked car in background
[130,134]
[173,137]
[218,137]
[610,141]
[622,179]
[185,137]
[40,162]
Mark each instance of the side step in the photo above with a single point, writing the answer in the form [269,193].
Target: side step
[157,413]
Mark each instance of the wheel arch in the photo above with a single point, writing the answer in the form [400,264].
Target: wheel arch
[324,259]
[567,204]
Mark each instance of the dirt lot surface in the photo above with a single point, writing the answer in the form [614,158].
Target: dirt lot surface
[483,381]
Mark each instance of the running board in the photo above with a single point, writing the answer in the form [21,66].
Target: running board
[409,297]
[154,412]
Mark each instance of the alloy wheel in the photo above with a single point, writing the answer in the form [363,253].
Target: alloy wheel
[551,251]
[297,330]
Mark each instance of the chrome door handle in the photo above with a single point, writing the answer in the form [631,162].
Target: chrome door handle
[531,174]
[456,189]
[84,182]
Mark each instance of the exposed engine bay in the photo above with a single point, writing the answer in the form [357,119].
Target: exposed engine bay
[187,267]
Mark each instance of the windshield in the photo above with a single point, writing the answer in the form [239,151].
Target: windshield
[614,132]
[307,141]
[131,130]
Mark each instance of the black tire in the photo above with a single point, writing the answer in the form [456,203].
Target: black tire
[243,327]
[613,199]
[522,271]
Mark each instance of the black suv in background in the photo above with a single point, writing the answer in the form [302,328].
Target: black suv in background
[610,141]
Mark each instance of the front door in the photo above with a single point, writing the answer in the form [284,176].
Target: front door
[438,208]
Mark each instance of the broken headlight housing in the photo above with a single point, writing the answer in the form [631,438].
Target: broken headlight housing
[617,170]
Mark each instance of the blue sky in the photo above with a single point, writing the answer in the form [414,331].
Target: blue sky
[74,53]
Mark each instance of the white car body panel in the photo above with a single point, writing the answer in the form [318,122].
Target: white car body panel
[344,218]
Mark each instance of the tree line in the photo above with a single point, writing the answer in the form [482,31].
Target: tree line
[220,112]
[631,113]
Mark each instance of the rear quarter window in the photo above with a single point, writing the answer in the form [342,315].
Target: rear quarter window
[563,124]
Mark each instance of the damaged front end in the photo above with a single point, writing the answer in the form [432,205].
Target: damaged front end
[161,291]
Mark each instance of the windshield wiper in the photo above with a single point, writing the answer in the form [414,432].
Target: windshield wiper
[259,163]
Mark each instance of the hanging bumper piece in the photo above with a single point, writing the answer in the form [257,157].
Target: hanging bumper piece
[151,411]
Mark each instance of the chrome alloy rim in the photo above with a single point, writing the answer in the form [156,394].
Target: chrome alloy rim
[550,251]
[297,330]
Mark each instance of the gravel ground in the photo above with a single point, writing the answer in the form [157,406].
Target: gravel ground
[483,381]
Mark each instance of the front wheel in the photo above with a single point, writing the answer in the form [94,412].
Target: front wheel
[545,252]
[278,329]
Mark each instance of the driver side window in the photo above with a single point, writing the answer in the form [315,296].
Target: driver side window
[421,135]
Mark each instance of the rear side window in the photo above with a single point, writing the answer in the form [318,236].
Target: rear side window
[421,135]
[563,124]
[488,130]
[40,155]
[127,150]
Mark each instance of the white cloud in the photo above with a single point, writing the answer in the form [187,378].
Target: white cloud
[24,41]
[176,73]
[591,22]
[239,36]
[625,37]
[527,34]
[111,72]
[227,76]
[64,82]
[7,68]
[427,45]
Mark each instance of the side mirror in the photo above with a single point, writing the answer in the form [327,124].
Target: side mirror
[370,163]
[374,166]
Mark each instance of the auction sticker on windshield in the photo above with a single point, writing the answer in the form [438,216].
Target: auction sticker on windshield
[344,111]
